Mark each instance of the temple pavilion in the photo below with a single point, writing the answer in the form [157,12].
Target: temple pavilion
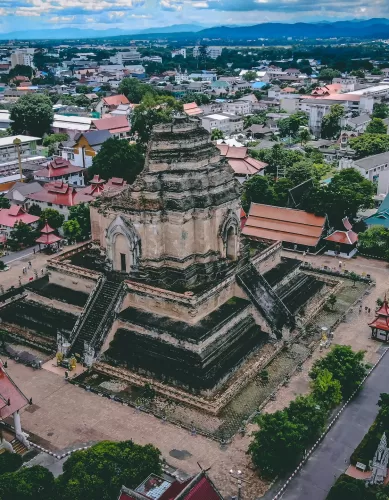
[48,238]
[380,326]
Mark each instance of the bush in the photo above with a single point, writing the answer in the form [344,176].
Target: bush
[10,462]
[347,488]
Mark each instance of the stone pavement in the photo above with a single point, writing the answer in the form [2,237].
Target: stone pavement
[64,416]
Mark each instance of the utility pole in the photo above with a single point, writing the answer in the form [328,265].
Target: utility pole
[17,142]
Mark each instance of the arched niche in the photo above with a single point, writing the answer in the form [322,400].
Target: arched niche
[123,245]
[230,236]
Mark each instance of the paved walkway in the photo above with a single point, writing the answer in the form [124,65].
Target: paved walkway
[331,458]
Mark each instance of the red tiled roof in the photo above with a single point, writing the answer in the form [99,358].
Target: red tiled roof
[343,237]
[239,161]
[116,100]
[46,229]
[203,490]
[381,323]
[11,216]
[48,239]
[59,193]
[10,393]
[99,186]
[192,109]
[284,224]
[384,309]
[57,168]
[113,124]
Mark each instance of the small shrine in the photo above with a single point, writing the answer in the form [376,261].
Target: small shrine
[380,325]
[342,243]
[380,463]
[48,238]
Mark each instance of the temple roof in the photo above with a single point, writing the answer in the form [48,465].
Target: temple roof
[11,397]
[384,309]
[382,317]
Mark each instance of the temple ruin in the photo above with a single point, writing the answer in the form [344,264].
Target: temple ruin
[168,289]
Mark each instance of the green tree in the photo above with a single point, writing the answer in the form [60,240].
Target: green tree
[153,109]
[72,230]
[217,134]
[345,365]
[309,412]
[380,110]
[374,241]
[279,444]
[329,74]
[258,189]
[330,125]
[332,300]
[10,462]
[134,90]
[117,158]
[250,76]
[81,214]
[28,484]
[347,193]
[100,471]
[304,136]
[53,218]
[32,114]
[22,235]
[302,171]
[51,142]
[326,390]
[376,126]
[35,210]
[347,488]
[370,144]
[281,188]
[4,202]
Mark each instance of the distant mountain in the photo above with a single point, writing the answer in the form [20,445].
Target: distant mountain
[176,28]
[364,29]
[371,28]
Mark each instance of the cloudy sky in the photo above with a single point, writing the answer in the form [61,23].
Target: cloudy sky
[137,14]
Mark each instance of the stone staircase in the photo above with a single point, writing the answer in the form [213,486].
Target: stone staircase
[265,299]
[96,316]
[18,447]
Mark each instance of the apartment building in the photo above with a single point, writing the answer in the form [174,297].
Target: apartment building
[226,122]
[212,52]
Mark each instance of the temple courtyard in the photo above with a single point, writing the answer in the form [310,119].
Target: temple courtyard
[65,416]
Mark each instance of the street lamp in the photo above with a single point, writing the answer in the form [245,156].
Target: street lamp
[17,142]
[239,480]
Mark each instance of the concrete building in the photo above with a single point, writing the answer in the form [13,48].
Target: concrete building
[60,169]
[239,107]
[22,57]
[179,52]
[124,57]
[71,125]
[227,123]
[374,168]
[212,52]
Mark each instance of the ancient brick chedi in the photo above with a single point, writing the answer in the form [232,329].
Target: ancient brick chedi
[176,234]
[179,223]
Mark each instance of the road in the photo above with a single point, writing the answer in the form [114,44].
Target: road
[12,257]
[331,458]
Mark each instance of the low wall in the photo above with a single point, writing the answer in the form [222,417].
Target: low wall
[268,259]
[65,276]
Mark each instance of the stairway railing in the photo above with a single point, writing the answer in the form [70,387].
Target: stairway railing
[88,306]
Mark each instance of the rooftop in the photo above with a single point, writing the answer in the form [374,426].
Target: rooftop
[284,224]
[373,161]
[9,141]
[9,217]
[11,397]
[113,124]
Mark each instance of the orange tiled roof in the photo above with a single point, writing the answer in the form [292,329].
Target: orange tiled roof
[284,224]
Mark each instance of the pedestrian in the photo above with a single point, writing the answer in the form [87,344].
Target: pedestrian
[34,251]
[42,271]
[29,264]
[340,264]
[360,309]
[369,310]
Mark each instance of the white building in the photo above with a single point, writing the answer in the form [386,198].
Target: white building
[238,107]
[123,57]
[22,57]
[179,52]
[156,59]
[212,52]
[227,123]
[70,125]
[374,168]
[348,83]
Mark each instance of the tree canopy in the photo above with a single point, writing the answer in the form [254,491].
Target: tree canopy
[53,218]
[380,110]
[330,125]
[28,484]
[345,365]
[375,242]
[21,236]
[370,144]
[117,158]
[81,214]
[32,114]
[377,126]
[135,90]
[100,471]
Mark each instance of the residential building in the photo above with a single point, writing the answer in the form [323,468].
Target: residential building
[205,76]
[118,126]
[22,57]
[9,153]
[19,192]
[60,169]
[108,104]
[71,125]
[84,147]
[375,168]
[238,107]
[357,123]
[227,123]
[179,52]
[191,109]
[9,217]
[241,163]
[58,195]
[8,181]
[212,52]
[348,83]
[156,59]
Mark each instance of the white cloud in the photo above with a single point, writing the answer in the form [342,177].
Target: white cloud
[62,19]
[200,5]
